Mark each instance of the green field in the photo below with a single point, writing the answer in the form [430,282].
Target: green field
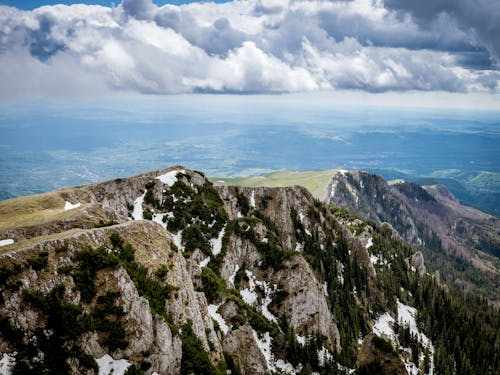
[315,181]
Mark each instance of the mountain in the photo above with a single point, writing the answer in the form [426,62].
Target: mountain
[164,273]
[460,241]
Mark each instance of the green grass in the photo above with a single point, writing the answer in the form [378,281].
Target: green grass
[314,181]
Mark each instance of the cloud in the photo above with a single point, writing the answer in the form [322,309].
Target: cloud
[481,18]
[248,47]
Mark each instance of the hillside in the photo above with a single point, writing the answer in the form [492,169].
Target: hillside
[164,273]
[461,242]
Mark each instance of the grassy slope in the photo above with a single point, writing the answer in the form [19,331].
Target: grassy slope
[315,182]
[34,209]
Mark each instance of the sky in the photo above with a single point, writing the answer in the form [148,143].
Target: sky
[428,48]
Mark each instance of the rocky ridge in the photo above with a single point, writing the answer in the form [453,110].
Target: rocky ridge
[429,217]
[164,273]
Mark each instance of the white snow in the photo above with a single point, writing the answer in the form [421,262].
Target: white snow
[285,367]
[178,240]
[231,278]
[252,199]
[299,247]
[383,327]
[108,365]
[204,262]
[325,288]
[170,178]
[8,241]
[342,172]
[301,339]
[267,300]
[70,206]
[212,311]
[275,366]
[217,242]
[369,243]
[137,212]
[6,364]
[374,259]
[158,218]
[406,316]
[324,356]
[248,294]
[265,348]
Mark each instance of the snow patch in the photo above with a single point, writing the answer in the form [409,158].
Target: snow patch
[231,278]
[204,262]
[137,212]
[8,241]
[301,340]
[324,356]
[299,247]
[158,218]
[248,294]
[108,365]
[212,311]
[252,199]
[406,316]
[170,178]
[6,364]
[383,327]
[70,206]
[325,288]
[177,238]
[374,259]
[369,243]
[217,242]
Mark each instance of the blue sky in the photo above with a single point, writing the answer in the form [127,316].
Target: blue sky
[429,47]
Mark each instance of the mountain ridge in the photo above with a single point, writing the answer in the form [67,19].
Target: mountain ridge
[174,276]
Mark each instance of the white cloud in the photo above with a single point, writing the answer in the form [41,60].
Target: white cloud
[241,46]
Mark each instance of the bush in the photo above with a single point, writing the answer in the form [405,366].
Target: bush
[195,359]
[40,262]
[213,285]
[382,344]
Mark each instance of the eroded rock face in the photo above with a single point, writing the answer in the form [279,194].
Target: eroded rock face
[376,358]
[260,271]
[417,261]
[241,344]
[305,306]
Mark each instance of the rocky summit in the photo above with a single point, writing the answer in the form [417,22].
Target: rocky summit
[164,273]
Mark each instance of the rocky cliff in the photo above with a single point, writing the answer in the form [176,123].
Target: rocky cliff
[163,273]
[461,238]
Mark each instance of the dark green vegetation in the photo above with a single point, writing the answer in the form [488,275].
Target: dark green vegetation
[197,211]
[66,322]
[465,330]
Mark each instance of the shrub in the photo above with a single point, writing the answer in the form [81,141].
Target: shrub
[40,262]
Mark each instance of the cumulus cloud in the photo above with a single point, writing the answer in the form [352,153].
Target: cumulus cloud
[249,46]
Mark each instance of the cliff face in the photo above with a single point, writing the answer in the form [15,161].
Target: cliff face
[164,273]
[429,217]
